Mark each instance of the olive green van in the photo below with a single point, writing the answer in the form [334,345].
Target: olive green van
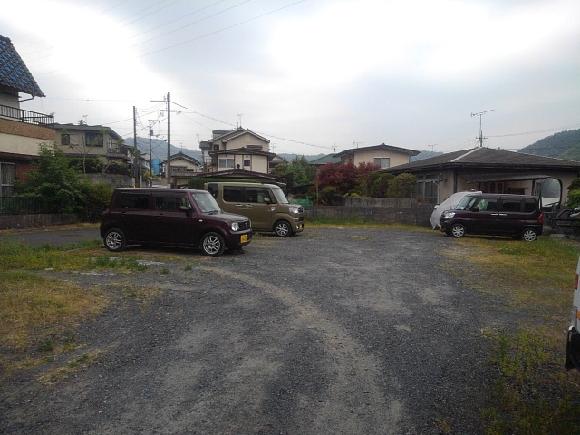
[264,204]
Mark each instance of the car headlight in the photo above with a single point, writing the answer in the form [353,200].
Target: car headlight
[448,214]
[235,226]
[294,210]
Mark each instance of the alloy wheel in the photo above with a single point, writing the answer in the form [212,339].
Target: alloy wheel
[530,235]
[114,240]
[212,245]
[458,231]
[282,229]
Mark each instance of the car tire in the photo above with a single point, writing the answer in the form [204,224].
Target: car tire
[115,240]
[283,228]
[212,244]
[457,231]
[530,235]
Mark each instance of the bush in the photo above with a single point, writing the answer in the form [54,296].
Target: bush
[402,186]
[117,168]
[573,198]
[97,199]
[331,196]
[92,165]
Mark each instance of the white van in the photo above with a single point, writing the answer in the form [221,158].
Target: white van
[573,338]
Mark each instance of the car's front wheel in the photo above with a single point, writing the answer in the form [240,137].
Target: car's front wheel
[529,235]
[457,231]
[283,228]
[115,240]
[212,244]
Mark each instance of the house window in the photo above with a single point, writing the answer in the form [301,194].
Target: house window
[216,147]
[93,139]
[247,162]
[7,178]
[383,163]
[226,164]
[65,139]
[427,189]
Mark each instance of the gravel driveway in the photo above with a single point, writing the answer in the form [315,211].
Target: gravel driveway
[338,330]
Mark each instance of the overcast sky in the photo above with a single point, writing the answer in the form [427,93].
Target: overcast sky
[327,73]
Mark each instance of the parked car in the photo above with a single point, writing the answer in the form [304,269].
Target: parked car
[573,336]
[172,217]
[493,214]
[264,204]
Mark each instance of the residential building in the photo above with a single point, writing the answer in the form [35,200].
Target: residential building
[22,132]
[383,156]
[238,149]
[82,140]
[181,169]
[491,171]
[329,158]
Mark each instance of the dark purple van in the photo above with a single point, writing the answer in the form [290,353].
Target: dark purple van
[493,214]
[174,217]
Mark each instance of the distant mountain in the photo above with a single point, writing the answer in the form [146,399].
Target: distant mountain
[562,145]
[425,155]
[290,157]
[159,148]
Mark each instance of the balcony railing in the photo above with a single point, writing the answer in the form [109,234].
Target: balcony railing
[28,116]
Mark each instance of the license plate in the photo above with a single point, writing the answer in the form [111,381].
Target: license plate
[244,238]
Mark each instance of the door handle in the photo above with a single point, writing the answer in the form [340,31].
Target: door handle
[503,214]
[494,214]
[239,205]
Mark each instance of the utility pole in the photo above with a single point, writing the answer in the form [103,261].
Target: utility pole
[480,138]
[167,100]
[135,156]
[150,157]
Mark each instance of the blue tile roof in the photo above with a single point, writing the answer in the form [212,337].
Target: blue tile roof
[13,70]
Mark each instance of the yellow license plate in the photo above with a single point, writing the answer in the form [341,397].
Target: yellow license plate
[244,238]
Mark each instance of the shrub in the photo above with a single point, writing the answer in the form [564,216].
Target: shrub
[573,198]
[402,186]
[92,165]
[117,168]
[329,195]
[97,198]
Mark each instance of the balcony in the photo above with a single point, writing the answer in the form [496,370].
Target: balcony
[27,116]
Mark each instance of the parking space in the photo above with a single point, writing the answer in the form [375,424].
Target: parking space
[338,330]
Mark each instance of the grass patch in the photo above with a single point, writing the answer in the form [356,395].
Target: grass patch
[33,310]
[139,293]
[533,393]
[71,367]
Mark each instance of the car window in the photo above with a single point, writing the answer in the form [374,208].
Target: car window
[212,188]
[233,194]
[486,204]
[171,202]
[513,205]
[467,202]
[279,194]
[530,205]
[206,202]
[133,200]
[258,195]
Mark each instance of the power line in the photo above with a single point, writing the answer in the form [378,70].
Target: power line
[223,29]
[523,133]
[223,11]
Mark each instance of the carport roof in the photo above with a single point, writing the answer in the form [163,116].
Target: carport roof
[486,158]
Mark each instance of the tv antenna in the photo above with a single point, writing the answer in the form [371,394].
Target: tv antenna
[480,114]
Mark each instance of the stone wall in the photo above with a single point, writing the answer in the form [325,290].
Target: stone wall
[36,220]
[380,210]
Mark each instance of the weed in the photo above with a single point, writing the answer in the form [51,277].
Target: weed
[187,268]
[164,271]
[80,362]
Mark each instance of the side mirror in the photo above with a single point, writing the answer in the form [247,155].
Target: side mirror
[267,200]
[436,207]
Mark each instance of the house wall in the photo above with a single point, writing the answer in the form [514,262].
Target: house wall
[21,138]
[367,156]
[78,144]
[8,98]
[245,140]
[259,163]
[184,164]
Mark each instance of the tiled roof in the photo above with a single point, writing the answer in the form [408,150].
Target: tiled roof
[381,147]
[329,158]
[13,70]
[84,127]
[486,157]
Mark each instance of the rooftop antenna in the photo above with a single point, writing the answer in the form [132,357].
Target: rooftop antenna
[480,114]
[432,146]
[239,115]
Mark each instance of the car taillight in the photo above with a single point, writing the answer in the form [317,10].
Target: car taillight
[541,218]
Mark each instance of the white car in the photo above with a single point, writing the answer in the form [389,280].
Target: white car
[573,338]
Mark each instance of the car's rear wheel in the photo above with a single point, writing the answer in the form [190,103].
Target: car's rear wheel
[530,235]
[457,231]
[114,240]
[212,244]
[283,228]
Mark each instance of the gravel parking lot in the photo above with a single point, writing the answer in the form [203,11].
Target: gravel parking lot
[338,330]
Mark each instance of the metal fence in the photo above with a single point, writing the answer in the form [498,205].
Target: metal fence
[14,205]
[27,116]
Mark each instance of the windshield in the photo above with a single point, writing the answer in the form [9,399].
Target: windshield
[280,197]
[206,202]
[466,202]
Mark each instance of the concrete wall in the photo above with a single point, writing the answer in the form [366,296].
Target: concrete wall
[367,156]
[36,220]
[380,210]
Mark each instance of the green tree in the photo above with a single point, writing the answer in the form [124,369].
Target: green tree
[402,186]
[55,181]
[298,172]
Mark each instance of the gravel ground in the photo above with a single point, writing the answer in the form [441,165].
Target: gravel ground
[338,330]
